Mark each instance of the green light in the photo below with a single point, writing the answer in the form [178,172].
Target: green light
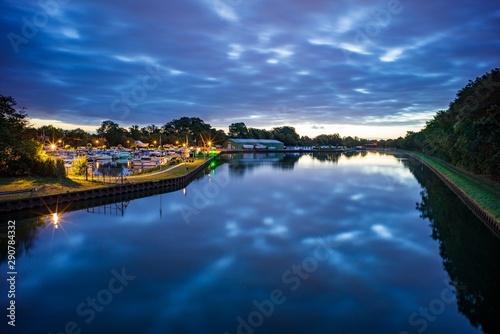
[212,164]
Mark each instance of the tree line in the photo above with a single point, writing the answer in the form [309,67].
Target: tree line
[290,137]
[175,132]
[467,134]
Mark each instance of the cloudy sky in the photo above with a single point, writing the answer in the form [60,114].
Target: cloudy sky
[374,69]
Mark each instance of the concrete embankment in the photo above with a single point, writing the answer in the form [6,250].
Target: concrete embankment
[478,210]
[119,189]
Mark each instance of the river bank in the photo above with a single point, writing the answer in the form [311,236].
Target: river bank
[70,190]
[481,196]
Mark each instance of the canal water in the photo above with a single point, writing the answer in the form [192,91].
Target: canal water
[262,243]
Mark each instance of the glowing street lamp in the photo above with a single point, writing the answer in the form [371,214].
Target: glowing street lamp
[55,220]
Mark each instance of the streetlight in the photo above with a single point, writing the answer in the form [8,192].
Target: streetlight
[209,145]
[128,143]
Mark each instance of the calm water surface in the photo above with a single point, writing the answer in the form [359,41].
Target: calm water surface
[264,244]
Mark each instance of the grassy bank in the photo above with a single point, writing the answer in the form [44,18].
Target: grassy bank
[179,170]
[483,192]
[49,186]
[45,186]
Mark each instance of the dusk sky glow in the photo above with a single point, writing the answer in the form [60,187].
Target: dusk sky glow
[372,69]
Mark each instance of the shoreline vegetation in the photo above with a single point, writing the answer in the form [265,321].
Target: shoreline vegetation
[484,193]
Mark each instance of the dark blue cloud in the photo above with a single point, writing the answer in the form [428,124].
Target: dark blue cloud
[317,65]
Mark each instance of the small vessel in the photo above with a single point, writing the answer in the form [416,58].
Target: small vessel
[124,155]
[103,157]
[145,161]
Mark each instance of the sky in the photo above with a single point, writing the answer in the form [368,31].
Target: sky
[373,69]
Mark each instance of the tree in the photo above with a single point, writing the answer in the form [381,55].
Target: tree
[50,134]
[193,128]
[467,133]
[21,155]
[113,133]
[238,130]
[306,141]
[14,153]
[259,133]
[135,132]
[77,137]
[13,123]
[287,135]
[328,140]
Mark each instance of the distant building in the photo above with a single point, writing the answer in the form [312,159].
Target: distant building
[371,146]
[242,144]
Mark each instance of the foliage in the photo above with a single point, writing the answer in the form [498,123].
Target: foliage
[468,133]
[195,129]
[77,137]
[79,166]
[50,166]
[329,140]
[175,161]
[20,154]
[111,133]
[238,130]
[287,135]
[13,124]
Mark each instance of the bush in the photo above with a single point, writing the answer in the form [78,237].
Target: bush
[29,158]
[176,160]
[79,166]
[50,167]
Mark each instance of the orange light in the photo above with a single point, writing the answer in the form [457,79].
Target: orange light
[55,220]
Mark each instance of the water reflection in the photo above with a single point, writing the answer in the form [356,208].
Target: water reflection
[26,235]
[200,277]
[241,163]
[470,251]
[117,209]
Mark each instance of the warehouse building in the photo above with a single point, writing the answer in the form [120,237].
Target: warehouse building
[253,144]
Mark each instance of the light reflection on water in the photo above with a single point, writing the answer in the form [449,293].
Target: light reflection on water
[367,261]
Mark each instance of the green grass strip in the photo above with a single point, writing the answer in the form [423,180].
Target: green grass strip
[482,193]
